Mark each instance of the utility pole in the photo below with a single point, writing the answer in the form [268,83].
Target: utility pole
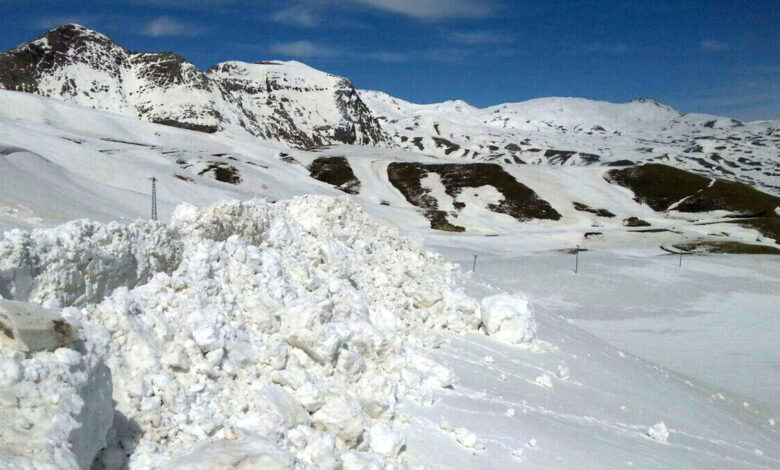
[576,259]
[474,267]
[154,197]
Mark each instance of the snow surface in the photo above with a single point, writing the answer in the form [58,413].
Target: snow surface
[294,333]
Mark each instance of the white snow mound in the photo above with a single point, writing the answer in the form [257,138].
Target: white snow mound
[508,318]
[251,332]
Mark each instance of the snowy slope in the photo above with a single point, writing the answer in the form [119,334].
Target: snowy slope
[191,294]
[575,131]
[63,161]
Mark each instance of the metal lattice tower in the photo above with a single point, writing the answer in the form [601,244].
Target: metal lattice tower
[154,198]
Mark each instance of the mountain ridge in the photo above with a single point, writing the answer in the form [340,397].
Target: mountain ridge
[85,67]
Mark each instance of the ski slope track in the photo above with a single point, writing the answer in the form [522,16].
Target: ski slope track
[304,302]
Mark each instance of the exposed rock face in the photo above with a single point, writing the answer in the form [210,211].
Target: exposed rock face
[299,104]
[285,101]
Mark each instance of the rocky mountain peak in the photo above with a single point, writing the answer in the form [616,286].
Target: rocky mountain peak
[286,101]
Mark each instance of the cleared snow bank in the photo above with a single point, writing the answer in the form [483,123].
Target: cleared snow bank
[248,333]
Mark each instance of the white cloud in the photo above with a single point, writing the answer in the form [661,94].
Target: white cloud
[712,45]
[479,37]
[432,9]
[305,49]
[308,50]
[167,26]
[296,15]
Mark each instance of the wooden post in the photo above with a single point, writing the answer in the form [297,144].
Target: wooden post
[680,265]
[474,267]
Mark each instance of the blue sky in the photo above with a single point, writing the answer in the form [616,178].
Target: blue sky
[720,57]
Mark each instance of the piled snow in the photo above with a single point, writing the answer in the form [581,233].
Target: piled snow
[508,318]
[248,333]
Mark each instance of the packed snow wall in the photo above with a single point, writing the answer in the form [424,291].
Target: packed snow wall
[251,333]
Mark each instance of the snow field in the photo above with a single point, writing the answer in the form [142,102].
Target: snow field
[255,332]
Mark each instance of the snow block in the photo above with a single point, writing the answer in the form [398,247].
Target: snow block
[29,327]
[658,432]
[508,318]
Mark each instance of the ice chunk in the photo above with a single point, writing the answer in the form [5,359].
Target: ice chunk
[28,327]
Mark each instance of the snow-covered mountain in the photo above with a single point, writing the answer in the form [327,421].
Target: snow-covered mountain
[305,108]
[285,101]
[284,329]
[575,131]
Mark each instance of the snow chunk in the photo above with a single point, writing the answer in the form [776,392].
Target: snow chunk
[544,380]
[343,418]
[30,327]
[468,439]
[508,318]
[385,440]
[658,432]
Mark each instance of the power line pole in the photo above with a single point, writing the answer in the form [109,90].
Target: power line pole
[154,197]
[576,259]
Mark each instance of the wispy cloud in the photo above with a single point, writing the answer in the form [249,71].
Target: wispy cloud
[188,4]
[305,49]
[753,93]
[167,26]
[296,15]
[432,9]
[312,50]
[712,45]
[480,37]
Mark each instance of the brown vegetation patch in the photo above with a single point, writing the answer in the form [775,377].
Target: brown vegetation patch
[586,208]
[336,172]
[732,247]
[660,186]
[187,125]
[223,172]
[635,222]
[519,201]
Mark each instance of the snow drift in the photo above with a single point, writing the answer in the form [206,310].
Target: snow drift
[251,332]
